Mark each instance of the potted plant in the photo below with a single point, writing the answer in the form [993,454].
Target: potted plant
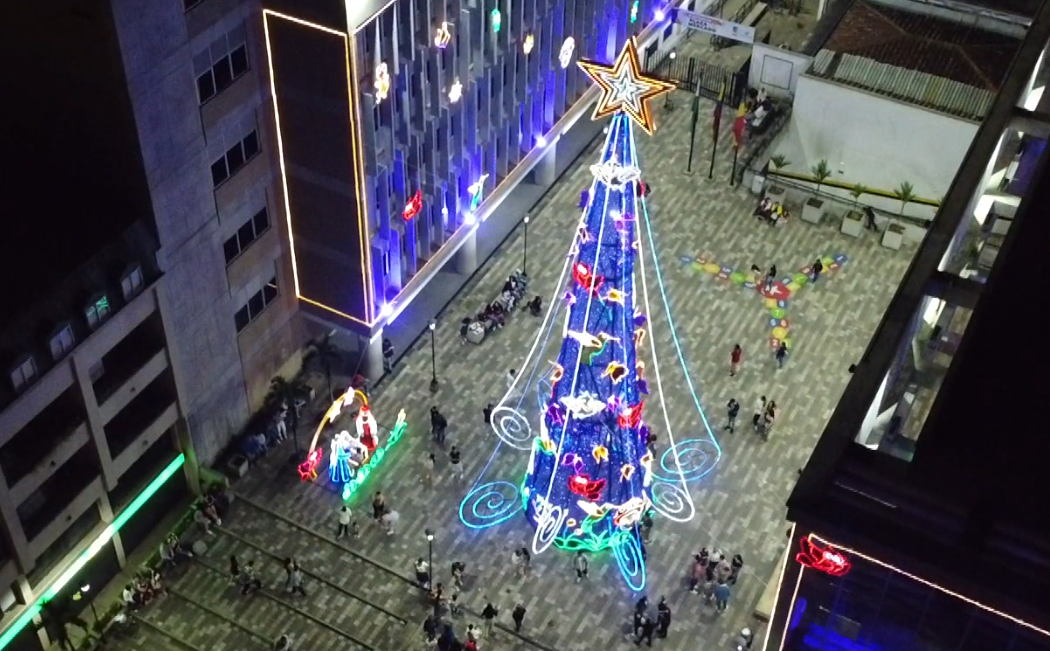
[324,353]
[779,162]
[905,192]
[857,191]
[813,210]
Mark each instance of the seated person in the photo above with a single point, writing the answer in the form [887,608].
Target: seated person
[129,597]
[535,305]
[764,206]
[776,214]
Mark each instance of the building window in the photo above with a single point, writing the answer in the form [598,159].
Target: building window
[23,373]
[249,231]
[234,159]
[62,342]
[97,310]
[132,282]
[223,73]
[256,304]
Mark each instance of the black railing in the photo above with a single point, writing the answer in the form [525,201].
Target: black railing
[694,76]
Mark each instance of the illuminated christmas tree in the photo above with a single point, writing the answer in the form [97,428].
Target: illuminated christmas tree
[591,476]
[590,470]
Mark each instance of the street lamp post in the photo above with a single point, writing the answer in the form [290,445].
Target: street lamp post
[525,252]
[430,561]
[434,384]
[94,613]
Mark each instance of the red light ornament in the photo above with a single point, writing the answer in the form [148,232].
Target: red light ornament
[308,468]
[631,416]
[414,205]
[584,486]
[826,559]
[583,276]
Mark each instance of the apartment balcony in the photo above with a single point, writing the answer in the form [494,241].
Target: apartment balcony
[137,447]
[57,457]
[122,394]
[64,517]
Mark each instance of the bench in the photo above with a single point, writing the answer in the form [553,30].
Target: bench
[756,14]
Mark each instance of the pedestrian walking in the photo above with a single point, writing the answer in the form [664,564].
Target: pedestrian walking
[816,269]
[355,529]
[486,413]
[343,516]
[523,559]
[422,574]
[697,573]
[732,411]
[663,617]
[781,354]
[648,628]
[388,355]
[457,574]
[771,277]
[518,616]
[736,564]
[645,527]
[249,583]
[511,377]
[579,563]
[378,506]
[235,569]
[283,643]
[760,412]
[870,221]
[454,459]
[735,358]
[641,606]
[296,580]
[721,595]
[289,565]
[473,634]
[389,521]
[489,615]
[428,469]
[438,424]
[768,419]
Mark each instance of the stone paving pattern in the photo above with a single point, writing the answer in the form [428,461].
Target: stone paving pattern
[740,504]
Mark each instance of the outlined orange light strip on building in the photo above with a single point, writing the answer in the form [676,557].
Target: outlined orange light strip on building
[871,559]
[366,271]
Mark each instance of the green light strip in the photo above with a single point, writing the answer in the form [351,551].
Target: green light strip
[103,538]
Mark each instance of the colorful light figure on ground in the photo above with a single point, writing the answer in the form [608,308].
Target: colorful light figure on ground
[352,455]
[590,477]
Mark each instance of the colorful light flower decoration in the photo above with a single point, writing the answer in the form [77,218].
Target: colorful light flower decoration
[456,91]
[568,46]
[381,83]
[442,36]
[528,44]
[826,559]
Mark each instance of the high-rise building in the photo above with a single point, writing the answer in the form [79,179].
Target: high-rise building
[920,521]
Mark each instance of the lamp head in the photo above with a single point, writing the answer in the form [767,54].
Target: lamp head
[432,325]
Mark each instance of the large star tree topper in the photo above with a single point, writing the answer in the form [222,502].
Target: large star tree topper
[624,87]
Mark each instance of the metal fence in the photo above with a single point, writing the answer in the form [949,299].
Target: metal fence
[692,75]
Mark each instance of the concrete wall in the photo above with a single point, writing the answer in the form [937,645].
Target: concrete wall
[777,70]
[874,140]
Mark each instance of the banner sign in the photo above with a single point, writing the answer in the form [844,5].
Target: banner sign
[716,26]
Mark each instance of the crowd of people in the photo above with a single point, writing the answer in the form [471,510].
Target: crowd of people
[493,316]
[772,212]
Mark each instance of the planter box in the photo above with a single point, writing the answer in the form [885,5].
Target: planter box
[853,223]
[238,465]
[776,194]
[893,237]
[813,211]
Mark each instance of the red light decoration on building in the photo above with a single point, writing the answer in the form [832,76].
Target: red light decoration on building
[826,559]
[631,416]
[414,205]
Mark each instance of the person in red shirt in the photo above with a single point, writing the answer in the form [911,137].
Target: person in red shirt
[735,358]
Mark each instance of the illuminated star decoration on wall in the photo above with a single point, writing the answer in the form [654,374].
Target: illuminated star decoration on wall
[625,88]
[381,82]
[442,36]
[614,175]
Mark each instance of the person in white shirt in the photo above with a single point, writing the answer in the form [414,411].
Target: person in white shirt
[760,411]
[344,522]
[511,376]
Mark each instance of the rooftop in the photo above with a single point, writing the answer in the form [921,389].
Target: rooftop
[931,61]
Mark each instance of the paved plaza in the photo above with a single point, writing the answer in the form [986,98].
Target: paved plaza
[360,591]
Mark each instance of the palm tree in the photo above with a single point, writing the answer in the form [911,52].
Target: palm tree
[324,353]
[821,172]
[906,193]
[779,162]
[856,192]
[283,395]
